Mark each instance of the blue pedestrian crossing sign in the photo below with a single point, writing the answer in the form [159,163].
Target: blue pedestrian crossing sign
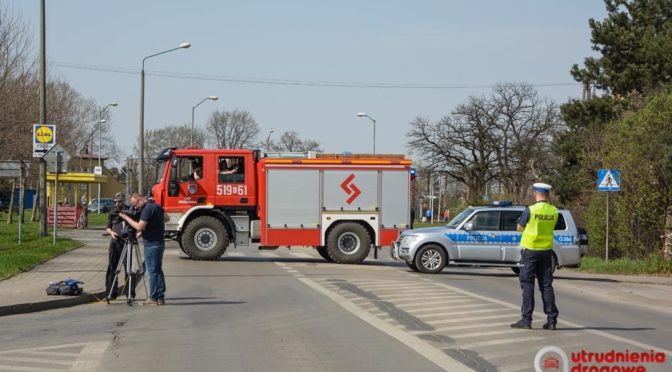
[608,180]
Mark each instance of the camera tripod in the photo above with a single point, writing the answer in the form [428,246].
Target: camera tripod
[130,253]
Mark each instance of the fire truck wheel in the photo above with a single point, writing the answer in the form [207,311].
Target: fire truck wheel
[205,238]
[322,250]
[348,243]
[430,259]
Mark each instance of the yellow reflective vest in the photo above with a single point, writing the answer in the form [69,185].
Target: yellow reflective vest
[538,233]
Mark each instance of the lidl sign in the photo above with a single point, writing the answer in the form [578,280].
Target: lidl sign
[44,138]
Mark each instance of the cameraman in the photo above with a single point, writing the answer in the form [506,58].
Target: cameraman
[115,226]
[151,227]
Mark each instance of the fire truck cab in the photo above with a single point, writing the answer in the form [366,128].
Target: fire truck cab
[340,204]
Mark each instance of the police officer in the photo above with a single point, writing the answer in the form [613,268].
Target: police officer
[114,228]
[536,257]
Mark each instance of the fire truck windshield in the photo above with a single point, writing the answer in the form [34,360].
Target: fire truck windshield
[161,167]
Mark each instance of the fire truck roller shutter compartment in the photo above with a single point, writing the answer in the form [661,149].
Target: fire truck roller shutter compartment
[293,198]
[348,190]
[396,205]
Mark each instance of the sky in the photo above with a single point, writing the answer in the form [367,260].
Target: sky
[309,66]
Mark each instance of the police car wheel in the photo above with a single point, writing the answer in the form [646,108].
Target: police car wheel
[430,259]
[348,242]
[205,238]
[411,266]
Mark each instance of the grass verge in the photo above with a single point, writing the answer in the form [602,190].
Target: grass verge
[652,265]
[15,258]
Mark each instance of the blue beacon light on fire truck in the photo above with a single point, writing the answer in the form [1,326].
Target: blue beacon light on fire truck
[412,173]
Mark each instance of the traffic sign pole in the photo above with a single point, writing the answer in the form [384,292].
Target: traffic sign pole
[606,247]
[608,180]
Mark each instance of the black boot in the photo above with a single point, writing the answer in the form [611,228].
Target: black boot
[550,325]
[521,324]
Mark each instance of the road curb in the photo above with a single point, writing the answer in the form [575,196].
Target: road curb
[634,279]
[68,301]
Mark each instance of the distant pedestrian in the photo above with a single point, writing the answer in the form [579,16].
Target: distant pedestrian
[536,257]
[151,228]
[446,215]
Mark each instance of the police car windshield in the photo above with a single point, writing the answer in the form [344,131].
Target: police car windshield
[460,218]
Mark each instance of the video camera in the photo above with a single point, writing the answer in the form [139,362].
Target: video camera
[127,231]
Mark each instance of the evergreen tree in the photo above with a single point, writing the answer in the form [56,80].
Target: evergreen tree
[634,41]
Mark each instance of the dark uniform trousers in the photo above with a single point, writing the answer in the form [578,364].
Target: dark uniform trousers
[115,251]
[539,264]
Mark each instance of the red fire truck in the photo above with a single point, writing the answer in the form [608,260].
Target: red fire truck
[340,204]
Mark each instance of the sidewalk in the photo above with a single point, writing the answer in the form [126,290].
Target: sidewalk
[25,292]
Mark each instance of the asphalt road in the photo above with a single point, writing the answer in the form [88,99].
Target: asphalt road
[292,311]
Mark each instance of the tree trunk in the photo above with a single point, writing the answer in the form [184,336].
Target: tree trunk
[667,238]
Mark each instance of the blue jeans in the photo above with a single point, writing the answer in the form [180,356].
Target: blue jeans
[154,263]
[537,264]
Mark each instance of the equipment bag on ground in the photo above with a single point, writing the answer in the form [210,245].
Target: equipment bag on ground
[68,287]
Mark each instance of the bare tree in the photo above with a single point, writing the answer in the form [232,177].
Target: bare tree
[232,129]
[492,139]
[460,146]
[290,141]
[525,125]
[18,87]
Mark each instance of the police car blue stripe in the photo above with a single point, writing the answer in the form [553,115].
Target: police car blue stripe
[500,238]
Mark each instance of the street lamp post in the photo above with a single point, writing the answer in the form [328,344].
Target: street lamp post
[212,98]
[141,172]
[361,115]
[100,144]
[268,139]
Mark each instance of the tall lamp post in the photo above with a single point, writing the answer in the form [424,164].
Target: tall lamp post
[268,139]
[361,115]
[141,173]
[212,98]
[100,144]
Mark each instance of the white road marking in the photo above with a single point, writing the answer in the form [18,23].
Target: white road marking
[454,313]
[496,342]
[447,309]
[424,304]
[269,254]
[562,321]
[30,359]
[421,347]
[28,369]
[461,327]
[448,296]
[471,319]
[90,356]
[33,360]
[489,333]
[301,255]
[234,254]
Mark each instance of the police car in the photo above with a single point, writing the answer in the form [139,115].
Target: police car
[484,236]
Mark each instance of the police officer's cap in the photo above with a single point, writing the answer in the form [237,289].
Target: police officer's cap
[541,187]
[119,196]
